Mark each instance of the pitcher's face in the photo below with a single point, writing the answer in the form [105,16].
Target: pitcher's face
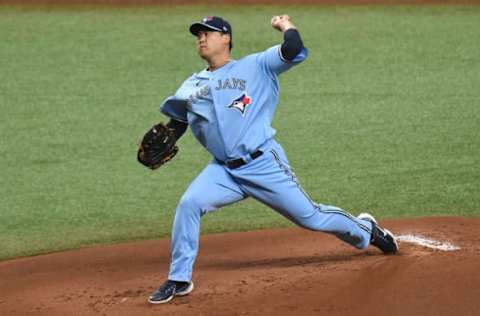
[212,43]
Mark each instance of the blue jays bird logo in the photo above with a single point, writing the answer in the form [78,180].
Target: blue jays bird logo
[241,103]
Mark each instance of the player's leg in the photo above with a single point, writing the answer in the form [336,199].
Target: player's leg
[271,181]
[212,189]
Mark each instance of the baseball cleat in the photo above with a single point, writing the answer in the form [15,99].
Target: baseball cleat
[381,238]
[168,290]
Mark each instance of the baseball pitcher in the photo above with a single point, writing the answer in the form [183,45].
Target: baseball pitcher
[229,107]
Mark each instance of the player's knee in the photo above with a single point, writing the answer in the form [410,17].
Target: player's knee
[188,202]
[192,204]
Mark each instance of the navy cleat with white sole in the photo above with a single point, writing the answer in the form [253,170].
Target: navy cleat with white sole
[168,290]
[381,238]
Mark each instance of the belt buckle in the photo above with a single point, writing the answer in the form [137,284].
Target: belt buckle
[233,164]
[236,163]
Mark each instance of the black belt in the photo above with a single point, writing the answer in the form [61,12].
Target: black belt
[236,163]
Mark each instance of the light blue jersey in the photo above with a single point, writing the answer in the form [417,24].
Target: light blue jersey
[230,110]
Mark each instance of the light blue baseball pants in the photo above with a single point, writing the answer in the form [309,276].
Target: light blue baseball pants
[268,179]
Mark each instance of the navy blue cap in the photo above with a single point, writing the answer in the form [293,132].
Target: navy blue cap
[212,23]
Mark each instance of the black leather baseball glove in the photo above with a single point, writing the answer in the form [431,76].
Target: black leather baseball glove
[157,147]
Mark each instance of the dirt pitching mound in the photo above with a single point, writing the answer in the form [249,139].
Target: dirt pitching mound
[270,272]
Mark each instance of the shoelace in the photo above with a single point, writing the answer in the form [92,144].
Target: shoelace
[379,233]
[169,286]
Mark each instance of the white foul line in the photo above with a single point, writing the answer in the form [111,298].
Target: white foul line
[425,242]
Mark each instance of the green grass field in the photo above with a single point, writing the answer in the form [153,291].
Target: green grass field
[383,116]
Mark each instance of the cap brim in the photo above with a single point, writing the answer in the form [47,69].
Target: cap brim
[197,27]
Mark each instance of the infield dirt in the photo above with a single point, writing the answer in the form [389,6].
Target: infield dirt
[282,272]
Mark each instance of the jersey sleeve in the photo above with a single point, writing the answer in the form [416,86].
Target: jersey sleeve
[273,63]
[175,109]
